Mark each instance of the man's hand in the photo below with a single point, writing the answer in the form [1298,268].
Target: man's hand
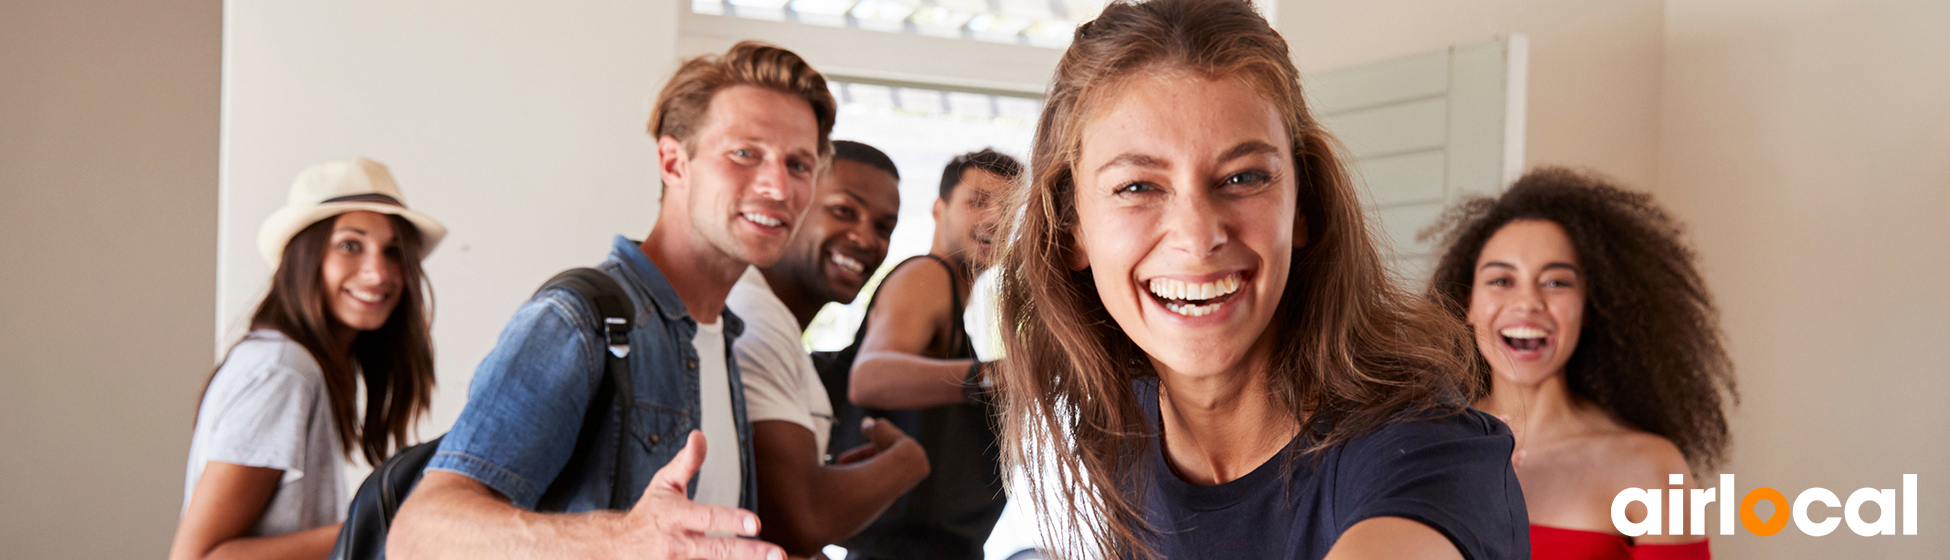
[882,436]
[666,524]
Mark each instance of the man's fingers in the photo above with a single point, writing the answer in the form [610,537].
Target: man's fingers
[857,454]
[678,472]
[686,515]
[733,548]
[884,434]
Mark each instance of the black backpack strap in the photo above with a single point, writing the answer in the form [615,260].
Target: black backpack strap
[614,313]
[370,516]
[363,536]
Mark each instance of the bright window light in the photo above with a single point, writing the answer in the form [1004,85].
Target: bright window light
[1040,23]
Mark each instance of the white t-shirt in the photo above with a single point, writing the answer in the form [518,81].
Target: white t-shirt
[718,479]
[780,381]
[982,318]
[267,407]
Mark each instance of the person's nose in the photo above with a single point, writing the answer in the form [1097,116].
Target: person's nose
[1529,298]
[379,269]
[1194,225]
[772,180]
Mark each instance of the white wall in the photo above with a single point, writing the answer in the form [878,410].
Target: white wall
[1808,144]
[1594,65]
[521,125]
[108,162]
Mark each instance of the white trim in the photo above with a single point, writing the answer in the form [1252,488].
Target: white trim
[881,57]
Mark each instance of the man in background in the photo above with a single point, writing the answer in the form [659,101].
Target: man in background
[916,365]
[805,502]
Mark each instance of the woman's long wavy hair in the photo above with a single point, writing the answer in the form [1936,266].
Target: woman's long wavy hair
[1358,351]
[1650,352]
[395,360]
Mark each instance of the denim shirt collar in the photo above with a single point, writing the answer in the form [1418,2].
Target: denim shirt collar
[663,297]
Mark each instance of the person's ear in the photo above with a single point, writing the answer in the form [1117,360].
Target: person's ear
[673,163]
[940,207]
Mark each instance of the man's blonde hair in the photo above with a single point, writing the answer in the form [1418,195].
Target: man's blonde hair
[681,107]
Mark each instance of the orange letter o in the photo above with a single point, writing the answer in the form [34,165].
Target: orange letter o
[1752,521]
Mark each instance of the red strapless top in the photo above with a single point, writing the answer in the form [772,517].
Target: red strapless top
[1552,543]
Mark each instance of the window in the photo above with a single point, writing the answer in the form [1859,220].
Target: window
[1042,23]
[920,129]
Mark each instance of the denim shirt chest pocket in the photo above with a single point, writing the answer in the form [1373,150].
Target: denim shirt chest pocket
[666,385]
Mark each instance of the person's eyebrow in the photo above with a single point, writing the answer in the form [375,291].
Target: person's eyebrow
[1564,265]
[1135,160]
[350,229]
[1248,148]
[856,198]
[1497,264]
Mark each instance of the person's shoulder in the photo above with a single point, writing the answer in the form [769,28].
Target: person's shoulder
[758,307]
[270,353]
[919,269]
[1632,458]
[1432,426]
[1441,435]
[266,361]
[917,280]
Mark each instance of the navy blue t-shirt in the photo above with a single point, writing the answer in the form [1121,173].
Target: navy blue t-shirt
[1451,473]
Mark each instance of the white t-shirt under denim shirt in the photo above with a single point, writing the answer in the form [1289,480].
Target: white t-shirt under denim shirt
[719,477]
[267,407]
[781,383]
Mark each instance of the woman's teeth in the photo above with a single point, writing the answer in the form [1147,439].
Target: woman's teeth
[849,264]
[1523,332]
[1524,338]
[367,296]
[763,220]
[1193,299]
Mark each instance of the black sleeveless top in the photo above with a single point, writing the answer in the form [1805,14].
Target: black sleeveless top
[950,513]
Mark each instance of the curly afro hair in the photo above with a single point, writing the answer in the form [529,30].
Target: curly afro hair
[1650,352]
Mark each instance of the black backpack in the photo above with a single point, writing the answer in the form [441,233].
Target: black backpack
[363,537]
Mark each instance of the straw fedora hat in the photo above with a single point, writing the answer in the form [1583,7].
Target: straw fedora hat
[332,188]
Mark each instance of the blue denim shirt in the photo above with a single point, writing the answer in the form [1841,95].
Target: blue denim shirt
[528,397]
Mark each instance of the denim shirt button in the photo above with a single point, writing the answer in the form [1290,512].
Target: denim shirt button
[690,364]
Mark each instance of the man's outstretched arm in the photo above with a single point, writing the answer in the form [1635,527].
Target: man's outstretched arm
[450,515]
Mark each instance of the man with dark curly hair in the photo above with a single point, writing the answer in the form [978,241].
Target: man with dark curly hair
[1601,348]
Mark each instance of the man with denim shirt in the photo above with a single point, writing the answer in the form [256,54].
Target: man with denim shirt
[740,138]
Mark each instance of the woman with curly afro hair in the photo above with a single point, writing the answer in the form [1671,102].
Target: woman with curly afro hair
[1599,345]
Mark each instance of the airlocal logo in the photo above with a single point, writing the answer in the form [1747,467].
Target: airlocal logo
[1885,500]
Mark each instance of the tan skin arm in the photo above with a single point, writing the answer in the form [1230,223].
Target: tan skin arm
[807,505]
[227,501]
[891,372]
[1389,538]
[452,516]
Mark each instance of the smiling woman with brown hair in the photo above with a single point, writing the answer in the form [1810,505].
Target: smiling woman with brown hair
[278,420]
[1205,350]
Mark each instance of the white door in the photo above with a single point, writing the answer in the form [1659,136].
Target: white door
[1424,131]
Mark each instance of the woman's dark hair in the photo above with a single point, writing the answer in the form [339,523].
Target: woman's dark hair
[396,360]
[1650,352]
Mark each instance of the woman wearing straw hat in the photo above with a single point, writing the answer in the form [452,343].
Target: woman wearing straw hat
[277,420]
